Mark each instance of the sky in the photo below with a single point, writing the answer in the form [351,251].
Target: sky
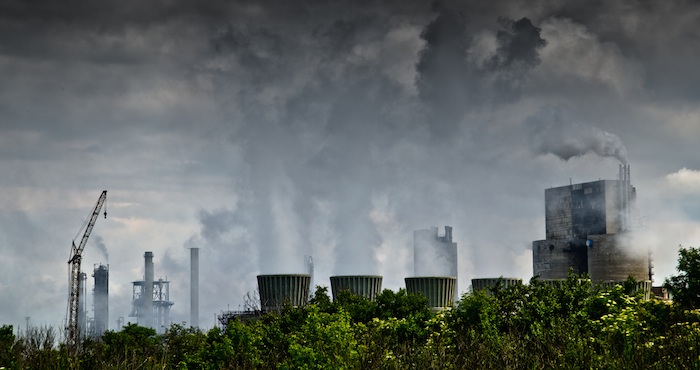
[264,131]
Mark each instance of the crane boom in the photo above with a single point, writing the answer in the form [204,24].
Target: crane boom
[72,332]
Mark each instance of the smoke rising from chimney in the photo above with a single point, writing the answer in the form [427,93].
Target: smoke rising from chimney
[100,245]
[553,130]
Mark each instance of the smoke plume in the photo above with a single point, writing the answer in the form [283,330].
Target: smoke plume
[555,131]
[100,245]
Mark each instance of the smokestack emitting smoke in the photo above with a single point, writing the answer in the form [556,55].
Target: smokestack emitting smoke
[194,287]
[148,290]
[552,131]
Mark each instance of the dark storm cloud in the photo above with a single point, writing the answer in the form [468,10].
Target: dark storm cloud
[519,43]
[452,82]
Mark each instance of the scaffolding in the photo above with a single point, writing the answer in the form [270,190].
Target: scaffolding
[160,303]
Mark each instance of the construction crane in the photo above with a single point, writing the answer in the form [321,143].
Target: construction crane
[76,255]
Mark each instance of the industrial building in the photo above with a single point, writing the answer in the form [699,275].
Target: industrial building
[587,229]
[151,299]
[434,254]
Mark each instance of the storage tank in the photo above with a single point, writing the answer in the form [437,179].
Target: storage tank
[487,283]
[440,290]
[367,286]
[608,261]
[276,290]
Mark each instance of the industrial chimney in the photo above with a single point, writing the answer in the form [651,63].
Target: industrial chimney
[101,299]
[194,287]
[148,290]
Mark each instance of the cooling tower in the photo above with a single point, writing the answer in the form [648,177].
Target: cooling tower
[101,299]
[440,290]
[486,283]
[276,290]
[554,283]
[608,261]
[367,286]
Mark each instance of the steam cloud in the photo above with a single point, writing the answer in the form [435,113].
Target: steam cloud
[554,131]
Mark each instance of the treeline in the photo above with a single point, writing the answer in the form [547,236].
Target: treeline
[572,325]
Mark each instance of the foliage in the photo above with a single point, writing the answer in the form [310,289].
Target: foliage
[570,324]
[685,287]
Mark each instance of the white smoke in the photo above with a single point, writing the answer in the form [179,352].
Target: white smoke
[553,130]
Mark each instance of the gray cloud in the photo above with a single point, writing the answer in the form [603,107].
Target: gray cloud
[555,131]
[265,131]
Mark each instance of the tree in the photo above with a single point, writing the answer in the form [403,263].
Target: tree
[685,287]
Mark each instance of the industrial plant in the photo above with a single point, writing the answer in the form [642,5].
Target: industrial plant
[151,299]
[587,231]
[588,228]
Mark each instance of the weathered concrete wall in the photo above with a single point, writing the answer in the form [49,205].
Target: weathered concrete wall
[551,259]
[558,212]
[608,261]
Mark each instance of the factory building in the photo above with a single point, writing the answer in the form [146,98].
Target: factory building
[151,299]
[434,254]
[587,229]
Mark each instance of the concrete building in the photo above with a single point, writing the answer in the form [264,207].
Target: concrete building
[434,254]
[587,226]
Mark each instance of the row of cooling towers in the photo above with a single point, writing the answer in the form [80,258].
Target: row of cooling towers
[293,289]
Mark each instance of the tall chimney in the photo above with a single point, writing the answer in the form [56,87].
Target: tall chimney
[148,290]
[194,287]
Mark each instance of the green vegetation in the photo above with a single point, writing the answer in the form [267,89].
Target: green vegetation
[569,325]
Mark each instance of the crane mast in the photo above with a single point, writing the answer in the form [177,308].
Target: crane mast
[72,331]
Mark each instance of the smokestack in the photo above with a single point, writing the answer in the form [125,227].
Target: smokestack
[101,299]
[194,287]
[148,290]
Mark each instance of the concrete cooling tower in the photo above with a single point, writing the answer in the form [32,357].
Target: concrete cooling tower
[486,283]
[367,286]
[440,290]
[276,290]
